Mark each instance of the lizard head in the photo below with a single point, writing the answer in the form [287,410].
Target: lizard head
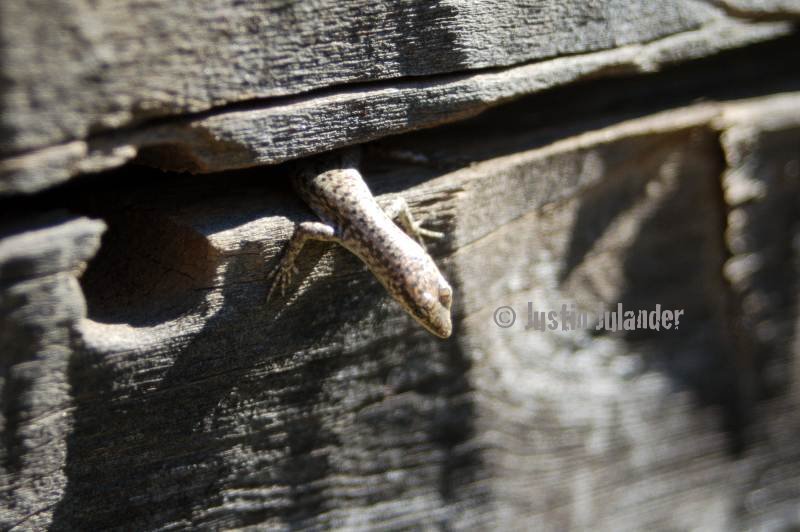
[427,297]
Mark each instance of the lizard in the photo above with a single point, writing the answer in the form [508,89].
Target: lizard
[349,215]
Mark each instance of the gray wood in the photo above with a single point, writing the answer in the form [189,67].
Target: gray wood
[760,10]
[761,186]
[41,305]
[267,132]
[188,402]
[77,68]
[146,384]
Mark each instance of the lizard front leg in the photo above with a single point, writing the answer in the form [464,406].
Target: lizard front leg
[398,211]
[282,273]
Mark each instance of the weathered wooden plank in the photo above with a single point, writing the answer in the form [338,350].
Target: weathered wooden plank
[160,386]
[76,68]
[271,132]
[41,304]
[761,144]
[760,10]
[762,191]
[194,404]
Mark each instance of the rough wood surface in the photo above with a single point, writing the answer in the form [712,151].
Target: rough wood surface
[760,10]
[41,305]
[217,135]
[650,156]
[189,403]
[78,67]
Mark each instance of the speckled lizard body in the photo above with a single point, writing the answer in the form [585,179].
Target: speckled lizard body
[349,215]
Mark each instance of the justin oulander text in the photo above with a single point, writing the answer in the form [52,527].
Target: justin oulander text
[569,318]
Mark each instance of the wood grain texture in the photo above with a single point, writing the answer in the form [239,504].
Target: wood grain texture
[762,190]
[41,305]
[758,10]
[193,404]
[75,67]
[578,153]
[268,132]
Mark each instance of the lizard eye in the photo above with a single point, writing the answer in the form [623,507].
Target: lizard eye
[445,296]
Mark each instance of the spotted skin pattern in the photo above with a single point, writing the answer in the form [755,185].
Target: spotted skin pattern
[349,215]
